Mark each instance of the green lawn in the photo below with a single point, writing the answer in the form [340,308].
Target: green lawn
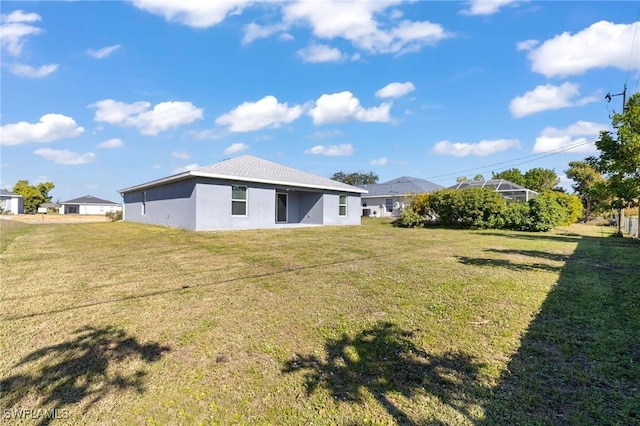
[120,323]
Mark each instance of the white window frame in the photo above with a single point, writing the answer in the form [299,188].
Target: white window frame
[345,205]
[238,200]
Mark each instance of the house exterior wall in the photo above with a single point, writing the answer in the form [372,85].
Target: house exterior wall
[13,205]
[169,205]
[377,205]
[311,208]
[203,204]
[330,209]
[88,209]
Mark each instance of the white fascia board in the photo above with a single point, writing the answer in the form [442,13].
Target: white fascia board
[192,173]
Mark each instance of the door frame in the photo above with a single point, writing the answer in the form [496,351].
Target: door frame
[286,207]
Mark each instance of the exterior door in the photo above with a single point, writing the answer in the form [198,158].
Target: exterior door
[281,207]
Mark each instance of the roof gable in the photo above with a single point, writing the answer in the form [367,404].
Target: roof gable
[5,193]
[248,168]
[401,186]
[89,199]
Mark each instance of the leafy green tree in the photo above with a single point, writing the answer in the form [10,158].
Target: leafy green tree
[461,179]
[620,155]
[478,177]
[540,180]
[513,175]
[586,179]
[33,195]
[356,178]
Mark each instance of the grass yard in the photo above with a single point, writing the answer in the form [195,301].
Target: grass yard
[120,323]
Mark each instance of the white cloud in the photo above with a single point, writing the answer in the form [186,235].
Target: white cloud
[367,25]
[548,97]
[378,161]
[104,52]
[255,31]
[331,150]
[194,13]
[22,70]
[326,134]
[485,7]
[339,107]
[316,53]
[64,156]
[526,45]
[266,112]
[582,133]
[235,148]
[181,155]
[14,29]
[360,23]
[111,143]
[395,90]
[480,149]
[286,37]
[186,168]
[51,127]
[163,116]
[602,45]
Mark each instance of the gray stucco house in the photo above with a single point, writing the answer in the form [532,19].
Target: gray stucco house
[89,205]
[10,202]
[242,193]
[388,199]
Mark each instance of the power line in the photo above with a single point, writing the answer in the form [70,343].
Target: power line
[540,155]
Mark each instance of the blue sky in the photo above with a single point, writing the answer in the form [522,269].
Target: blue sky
[99,96]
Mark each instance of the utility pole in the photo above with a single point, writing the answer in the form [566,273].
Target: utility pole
[608,97]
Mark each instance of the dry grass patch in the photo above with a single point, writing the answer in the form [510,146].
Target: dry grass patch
[126,323]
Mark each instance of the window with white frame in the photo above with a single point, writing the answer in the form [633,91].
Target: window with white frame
[342,205]
[238,200]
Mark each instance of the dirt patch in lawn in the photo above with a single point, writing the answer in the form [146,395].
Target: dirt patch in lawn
[56,218]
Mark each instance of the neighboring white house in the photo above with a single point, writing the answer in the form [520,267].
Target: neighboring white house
[11,202]
[89,205]
[242,193]
[510,191]
[387,199]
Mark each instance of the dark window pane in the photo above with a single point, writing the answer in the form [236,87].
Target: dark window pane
[238,192]
[239,208]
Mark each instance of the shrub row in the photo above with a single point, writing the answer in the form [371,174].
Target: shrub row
[482,208]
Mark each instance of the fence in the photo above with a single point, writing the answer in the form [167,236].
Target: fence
[630,226]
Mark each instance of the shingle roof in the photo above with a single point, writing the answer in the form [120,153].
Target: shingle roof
[400,186]
[248,168]
[88,199]
[6,193]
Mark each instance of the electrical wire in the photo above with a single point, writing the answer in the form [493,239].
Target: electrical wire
[538,156]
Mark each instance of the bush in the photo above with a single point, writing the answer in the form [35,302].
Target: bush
[571,206]
[470,208]
[516,217]
[545,213]
[114,216]
[410,218]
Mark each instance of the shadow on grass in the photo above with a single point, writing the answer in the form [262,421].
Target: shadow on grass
[383,361]
[79,370]
[507,264]
[579,361]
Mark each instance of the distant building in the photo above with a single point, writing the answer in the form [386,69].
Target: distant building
[388,199]
[512,192]
[89,205]
[10,202]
